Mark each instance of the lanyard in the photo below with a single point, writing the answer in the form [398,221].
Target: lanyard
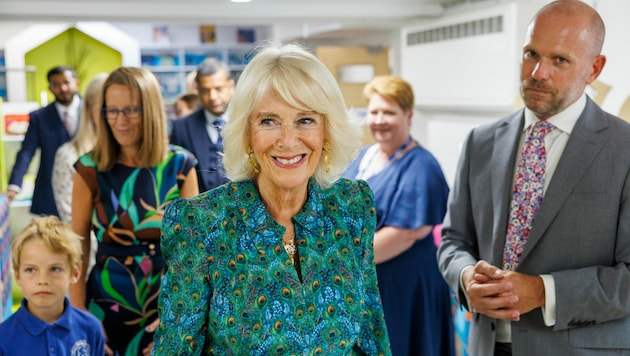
[372,151]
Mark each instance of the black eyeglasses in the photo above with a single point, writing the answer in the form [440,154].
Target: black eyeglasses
[130,112]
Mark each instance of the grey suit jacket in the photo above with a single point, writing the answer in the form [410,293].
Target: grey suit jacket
[581,235]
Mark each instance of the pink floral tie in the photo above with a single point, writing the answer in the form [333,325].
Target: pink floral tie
[528,193]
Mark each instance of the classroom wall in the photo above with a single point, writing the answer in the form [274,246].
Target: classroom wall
[185,34]
[442,127]
[616,74]
[442,122]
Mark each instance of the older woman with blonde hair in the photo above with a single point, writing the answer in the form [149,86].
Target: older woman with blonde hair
[120,190]
[279,260]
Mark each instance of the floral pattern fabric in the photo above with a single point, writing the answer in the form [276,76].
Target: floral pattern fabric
[231,289]
[62,184]
[527,194]
[63,173]
[128,205]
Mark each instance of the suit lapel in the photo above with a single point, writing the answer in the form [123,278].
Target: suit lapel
[199,135]
[506,140]
[587,139]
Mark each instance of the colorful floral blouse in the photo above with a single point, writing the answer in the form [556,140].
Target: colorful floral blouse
[129,201]
[231,289]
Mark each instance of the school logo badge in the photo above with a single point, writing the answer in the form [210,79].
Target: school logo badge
[80,348]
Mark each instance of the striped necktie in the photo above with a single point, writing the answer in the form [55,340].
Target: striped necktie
[219,123]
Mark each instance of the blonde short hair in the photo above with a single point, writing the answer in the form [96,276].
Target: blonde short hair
[55,234]
[393,88]
[304,82]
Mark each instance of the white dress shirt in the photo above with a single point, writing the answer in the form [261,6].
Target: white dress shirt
[213,133]
[72,112]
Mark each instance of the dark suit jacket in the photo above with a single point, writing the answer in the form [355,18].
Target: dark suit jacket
[190,132]
[45,132]
[581,235]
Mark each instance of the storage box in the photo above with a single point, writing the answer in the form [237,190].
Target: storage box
[16,124]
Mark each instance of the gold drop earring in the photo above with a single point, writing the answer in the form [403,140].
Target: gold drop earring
[252,161]
[327,148]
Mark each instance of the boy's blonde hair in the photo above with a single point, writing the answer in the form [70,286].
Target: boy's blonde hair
[55,234]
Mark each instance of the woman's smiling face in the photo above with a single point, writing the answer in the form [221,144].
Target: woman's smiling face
[287,143]
[126,130]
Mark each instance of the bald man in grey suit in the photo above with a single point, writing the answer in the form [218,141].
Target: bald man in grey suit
[570,291]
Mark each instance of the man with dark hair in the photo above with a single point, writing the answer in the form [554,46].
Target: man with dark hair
[49,127]
[200,132]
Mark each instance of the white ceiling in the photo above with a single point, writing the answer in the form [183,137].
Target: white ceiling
[346,17]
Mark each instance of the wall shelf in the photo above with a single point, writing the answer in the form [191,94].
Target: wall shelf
[171,65]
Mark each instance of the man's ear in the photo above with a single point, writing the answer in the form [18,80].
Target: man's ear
[596,68]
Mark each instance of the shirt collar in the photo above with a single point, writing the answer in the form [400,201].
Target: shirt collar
[72,109]
[210,117]
[310,217]
[564,120]
[36,326]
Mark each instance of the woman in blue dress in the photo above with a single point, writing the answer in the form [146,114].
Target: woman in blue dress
[410,194]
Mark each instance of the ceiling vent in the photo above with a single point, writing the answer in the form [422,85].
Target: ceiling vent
[460,30]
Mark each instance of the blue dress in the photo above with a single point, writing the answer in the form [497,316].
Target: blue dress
[231,289]
[409,193]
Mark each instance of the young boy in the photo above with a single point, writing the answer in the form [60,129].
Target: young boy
[46,258]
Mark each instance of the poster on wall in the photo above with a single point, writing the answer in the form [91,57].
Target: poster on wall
[160,35]
[207,33]
[245,35]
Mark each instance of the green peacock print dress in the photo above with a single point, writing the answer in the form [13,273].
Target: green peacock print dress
[231,289]
[123,287]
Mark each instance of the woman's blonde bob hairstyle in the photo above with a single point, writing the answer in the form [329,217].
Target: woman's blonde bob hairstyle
[304,82]
[154,140]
